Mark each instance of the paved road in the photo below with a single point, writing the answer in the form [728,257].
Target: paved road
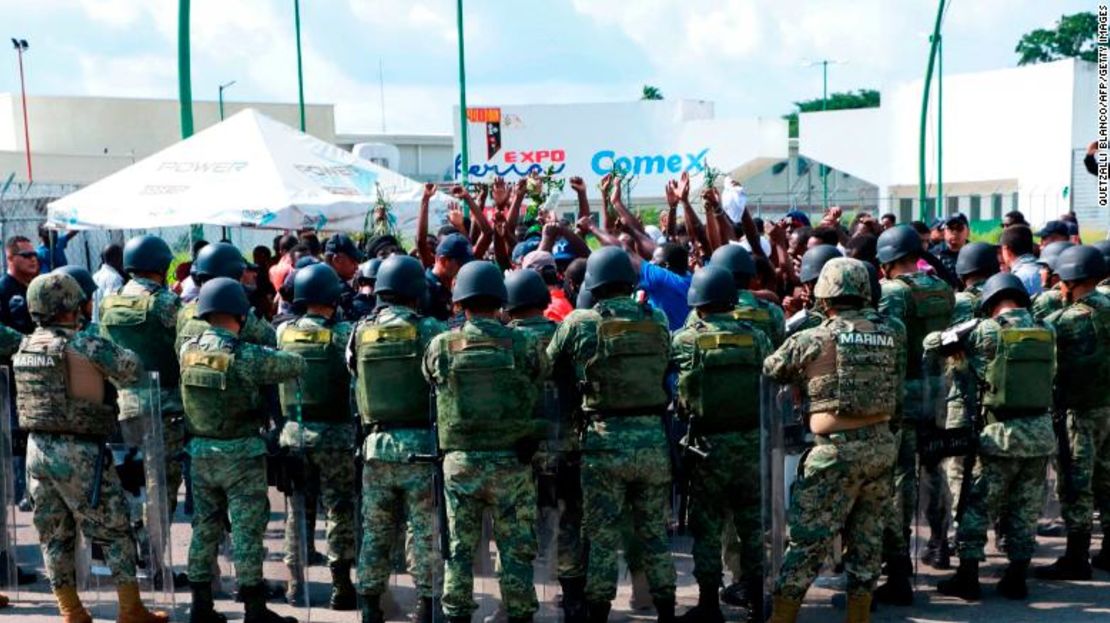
[1055,602]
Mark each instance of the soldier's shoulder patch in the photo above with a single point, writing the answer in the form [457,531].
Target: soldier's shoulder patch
[865,338]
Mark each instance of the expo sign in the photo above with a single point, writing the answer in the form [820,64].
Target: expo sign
[606,160]
[536,156]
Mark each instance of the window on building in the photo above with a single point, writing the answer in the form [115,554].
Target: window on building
[951,205]
[905,210]
[996,206]
[930,211]
[974,208]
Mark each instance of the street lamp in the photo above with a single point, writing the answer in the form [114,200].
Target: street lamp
[462,100]
[824,63]
[300,71]
[21,46]
[226,85]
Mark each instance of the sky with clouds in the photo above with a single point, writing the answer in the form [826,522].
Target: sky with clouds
[748,56]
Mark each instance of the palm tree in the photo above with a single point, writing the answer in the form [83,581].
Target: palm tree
[651,93]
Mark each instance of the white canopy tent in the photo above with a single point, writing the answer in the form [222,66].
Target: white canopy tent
[248,171]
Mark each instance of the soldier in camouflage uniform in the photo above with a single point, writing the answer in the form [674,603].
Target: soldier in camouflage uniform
[1050,299]
[976,262]
[220,380]
[719,359]
[88,288]
[487,378]
[61,376]
[812,262]
[764,315]
[221,259]
[1083,355]
[384,355]
[618,352]
[142,317]
[1012,358]
[923,302]
[319,430]
[850,368]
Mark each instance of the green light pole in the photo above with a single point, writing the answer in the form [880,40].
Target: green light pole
[462,100]
[941,210]
[300,71]
[184,73]
[824,63]
[226,85]
[934,44]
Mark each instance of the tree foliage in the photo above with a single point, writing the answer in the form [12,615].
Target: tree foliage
[1073,37]
[862,98]
[651,93]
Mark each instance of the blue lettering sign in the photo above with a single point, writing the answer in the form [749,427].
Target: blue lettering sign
[606,160]
[485,169]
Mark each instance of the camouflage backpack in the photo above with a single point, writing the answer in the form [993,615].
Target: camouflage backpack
[323,391]
[1020,375]
[390,388]
[933,302]
[218,402]
[723,390]
[626,373]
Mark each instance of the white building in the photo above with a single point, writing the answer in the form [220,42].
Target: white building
[1012,139]
[423,157]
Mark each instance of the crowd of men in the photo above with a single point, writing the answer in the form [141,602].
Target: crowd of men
[503,367]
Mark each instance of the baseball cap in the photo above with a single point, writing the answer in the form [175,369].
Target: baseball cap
[1053,228]
[524,248]
[538,260]
[342,243]
[455,247]
[798,218]
[562,251]
[957,218]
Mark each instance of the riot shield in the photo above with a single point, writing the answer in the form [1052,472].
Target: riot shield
[157,520]
[297,533]
[778,415]
[546,474]
[9,543]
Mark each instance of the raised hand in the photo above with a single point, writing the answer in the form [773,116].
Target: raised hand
[499,192]
[577,184]
[683,187]
[670,189]
[429,191]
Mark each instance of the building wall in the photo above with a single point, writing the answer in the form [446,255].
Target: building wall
[424,157]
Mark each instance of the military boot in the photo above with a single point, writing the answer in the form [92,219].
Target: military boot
[708,609]
[664,609]
[598,611]
[1012,585]
[965,584]
[859,608]
[4,601]
[937,554]
[574,599]
[370,609]
[735,595]
[1102,560]
[131,608]
[785,610]
[641,592]
[295,593]
[897,591]
[1073,565]
[70,606]
[342,590]
[254,606]
[425,611]
[202,611]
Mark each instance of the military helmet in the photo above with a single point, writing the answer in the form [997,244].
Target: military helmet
[52,294]
[1103,247]
[1002,285]
[83,277]
[841,277]
[222,295]
[814,260]
[147,254]
[712,285]
[479,279]
[1050,254]
[735,259]
[368,271]
[977,257]
[221,259]
[401,276]
[609,265]
[898,242]
[317,284]
[526,288]
[1079,263]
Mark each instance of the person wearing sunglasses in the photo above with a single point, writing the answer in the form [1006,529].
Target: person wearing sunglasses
[22,267]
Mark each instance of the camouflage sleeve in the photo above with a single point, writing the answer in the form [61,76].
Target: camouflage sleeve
[764,342]
[258,332]
[788,362]
[932,342]
[166,308]
[893,302]
[429,328]
[269,366]
[682,349]
[964,309]
[123,367]
[9,341]
[559,346]
[535,358]
[982,347]
[341,337]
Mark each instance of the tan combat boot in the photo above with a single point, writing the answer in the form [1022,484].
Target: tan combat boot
[131,608]
[70,605]
[4,601]
[859,608]
[785,610]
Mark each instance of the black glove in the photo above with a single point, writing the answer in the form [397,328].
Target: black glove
[526,448]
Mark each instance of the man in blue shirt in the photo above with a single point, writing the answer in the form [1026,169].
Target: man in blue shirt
[46,262]
[1017,255]
[451,254]
[665,280]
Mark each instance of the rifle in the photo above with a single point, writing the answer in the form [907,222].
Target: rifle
[98,475]
[1063,448]
[693,450]
[436,460]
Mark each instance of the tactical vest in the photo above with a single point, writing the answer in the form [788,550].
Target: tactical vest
[486,404]
[390,388]
[1086,388]
[625,376]
[218,402]
[323,391]
[853,377]
[128,322]
[723,390]
[758,316]
[60,391]
[1019,378]
[931,311]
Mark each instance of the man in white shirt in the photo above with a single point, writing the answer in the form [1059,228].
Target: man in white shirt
[109,278]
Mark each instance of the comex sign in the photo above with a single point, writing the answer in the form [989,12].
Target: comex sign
[606,160]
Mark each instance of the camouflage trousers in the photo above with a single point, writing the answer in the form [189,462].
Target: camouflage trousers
[559,485]
[59,480]
[388,490]
[174,439]
[336,472]
[1089,436]
[843,488]
[1007,489]
[902,504]
[727,483]
[229,487]
[475,482]
[935,491]
[636,481]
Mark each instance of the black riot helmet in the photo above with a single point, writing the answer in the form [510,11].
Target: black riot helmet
[814,260]
[712,285]
[1002,286]
[147,254]
[316,284]
[1080,263]
[526,288]
[977,257]
[222,295]
[221,259]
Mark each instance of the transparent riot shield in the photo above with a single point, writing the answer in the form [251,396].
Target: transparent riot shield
[779,420]
[158,580]
[545,472]
[297,562]
[9,543]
